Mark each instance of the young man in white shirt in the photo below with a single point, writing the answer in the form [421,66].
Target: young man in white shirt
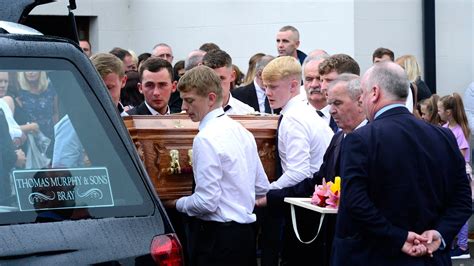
[228,174]
[221,63]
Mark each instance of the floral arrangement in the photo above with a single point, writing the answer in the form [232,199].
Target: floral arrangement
[327,194]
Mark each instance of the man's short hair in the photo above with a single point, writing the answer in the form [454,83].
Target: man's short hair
[120,53]
[217,59]
[309,59]
[194,59]
[203,80]
[263,62]
[380,52]
[282,68]
[391,78]
[106,63]
[352,83]
[161,44]
[341,63]
[295,31]
[209,46]
[156,64]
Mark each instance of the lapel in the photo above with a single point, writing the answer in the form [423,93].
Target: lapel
[252,97]
[337,151]
[143,110]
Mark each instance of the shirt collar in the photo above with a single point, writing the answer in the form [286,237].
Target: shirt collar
[386,108]
[231,102]
[363,123]
[293,101]
[258,89]
[210,116]
[154,112]
[325,111]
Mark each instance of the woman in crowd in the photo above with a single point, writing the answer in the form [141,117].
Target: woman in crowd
[428,109]
[38,99]
[451,110]
[251,71]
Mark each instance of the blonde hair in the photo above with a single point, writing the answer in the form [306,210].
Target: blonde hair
[43,81]
[410,65]
[252,70]
[282,68]
[454,103]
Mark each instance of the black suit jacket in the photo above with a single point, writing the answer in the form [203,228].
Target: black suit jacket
[139,110]
[399,174]
[7,158]
[248,95]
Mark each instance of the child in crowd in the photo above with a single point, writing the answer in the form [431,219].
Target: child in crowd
[428,109]
[451,110]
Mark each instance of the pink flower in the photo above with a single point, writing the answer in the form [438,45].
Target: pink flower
[333,200]
[321,193]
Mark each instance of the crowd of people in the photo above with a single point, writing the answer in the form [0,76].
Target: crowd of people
[402,152]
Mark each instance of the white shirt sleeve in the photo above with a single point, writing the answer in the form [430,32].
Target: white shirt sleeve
[207,173]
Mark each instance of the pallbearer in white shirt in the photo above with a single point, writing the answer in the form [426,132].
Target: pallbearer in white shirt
[302,140]
[228,174]
[221,63]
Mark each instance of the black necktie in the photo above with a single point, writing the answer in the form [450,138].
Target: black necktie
[333,125]
[268,109]
[226,108]
[278,168]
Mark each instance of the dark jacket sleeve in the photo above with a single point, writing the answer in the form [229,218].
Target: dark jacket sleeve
[8,155]
[458,209]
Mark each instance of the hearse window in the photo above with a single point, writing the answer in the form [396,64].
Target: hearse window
[61,156]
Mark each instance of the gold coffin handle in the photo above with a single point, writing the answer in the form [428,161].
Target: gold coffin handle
[174,168]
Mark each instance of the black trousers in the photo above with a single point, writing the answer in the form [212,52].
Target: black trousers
[221,244]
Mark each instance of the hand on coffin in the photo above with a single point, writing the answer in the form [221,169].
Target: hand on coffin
[170,204]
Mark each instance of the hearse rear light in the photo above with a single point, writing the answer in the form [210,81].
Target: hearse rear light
[166,250]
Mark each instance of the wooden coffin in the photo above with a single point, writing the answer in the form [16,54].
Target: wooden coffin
[164,143]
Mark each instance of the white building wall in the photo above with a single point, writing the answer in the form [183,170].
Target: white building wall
[245,27]
[454,45]
[393,24]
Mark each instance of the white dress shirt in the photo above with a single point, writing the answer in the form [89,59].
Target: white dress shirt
[303,138]
[238,108]
[152,111]
[227,170]
[409,100]
[260,96]
[326,115]
[13,127]
[68,151]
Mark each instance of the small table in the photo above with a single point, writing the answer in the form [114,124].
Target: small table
[306,203]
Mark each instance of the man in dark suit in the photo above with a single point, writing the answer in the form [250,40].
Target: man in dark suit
[253,94]
[405,192]
[343,99]
[8,159]
[156,85]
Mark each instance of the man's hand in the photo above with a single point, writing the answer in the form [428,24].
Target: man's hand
[413,246]
[433,241]
[170,204]
[261,202]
